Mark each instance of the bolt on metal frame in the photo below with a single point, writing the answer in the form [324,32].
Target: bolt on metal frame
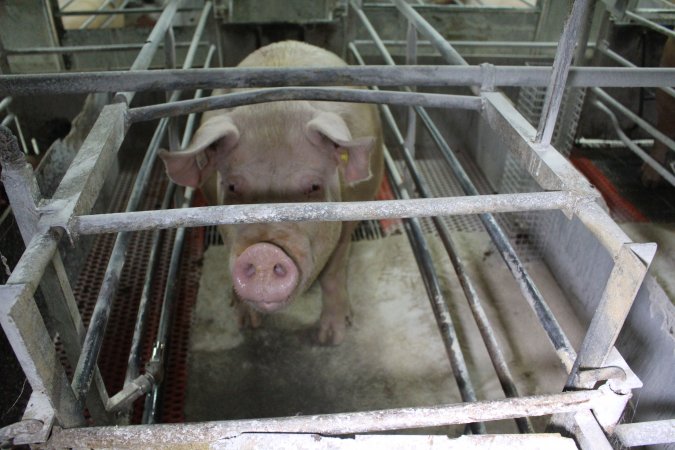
[67,214]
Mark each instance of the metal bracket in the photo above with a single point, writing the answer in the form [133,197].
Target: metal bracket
[489,74]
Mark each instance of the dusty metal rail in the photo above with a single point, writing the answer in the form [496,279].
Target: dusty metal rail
[168,79]
[436,298]
[331,424]
[325,211]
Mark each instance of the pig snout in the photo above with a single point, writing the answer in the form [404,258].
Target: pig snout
[264,276]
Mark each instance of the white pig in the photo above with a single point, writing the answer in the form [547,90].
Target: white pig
[287,151]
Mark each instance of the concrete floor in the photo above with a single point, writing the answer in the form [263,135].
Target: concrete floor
[393,355]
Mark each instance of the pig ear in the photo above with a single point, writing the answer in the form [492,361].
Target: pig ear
[352,155]
[194,165]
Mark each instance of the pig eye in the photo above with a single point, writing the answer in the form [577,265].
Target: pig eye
[231,188]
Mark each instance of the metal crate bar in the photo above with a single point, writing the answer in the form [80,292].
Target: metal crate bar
[651,24]
[561,66]
[157,360]
[330,424]
[324,211]
[558,338]
[133,370]
[437,40]
[605,50]
[144,58]
[153,112]
[238,77]
[160,348]
[468,287]
[113,12]
[667,175]
[84,48]
[460,44]
[94,337]
[439,305]
[639,121]
[646,433]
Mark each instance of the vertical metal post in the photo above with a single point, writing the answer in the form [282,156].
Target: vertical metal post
[4,62]
[411,59]
[170,63]
[561,66]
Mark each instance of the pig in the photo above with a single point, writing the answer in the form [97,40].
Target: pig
[286,151]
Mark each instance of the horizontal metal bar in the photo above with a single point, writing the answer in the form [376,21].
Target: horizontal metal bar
[153,112]
[450,8]
[83,48]
[604,49]
[651,24]
[323,211]
[90,12]
[654,164]
[611,143]
[372,442]
[646,433]
[328,424]
[489,44]
[240,77]
[639,121]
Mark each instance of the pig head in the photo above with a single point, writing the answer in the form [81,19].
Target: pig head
[294,151]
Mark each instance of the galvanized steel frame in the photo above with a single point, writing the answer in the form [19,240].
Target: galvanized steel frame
[67,213]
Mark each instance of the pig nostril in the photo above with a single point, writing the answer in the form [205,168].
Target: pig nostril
[279,270]
[249,271]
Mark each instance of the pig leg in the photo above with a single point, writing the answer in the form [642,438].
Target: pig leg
[246,316]
[336,312]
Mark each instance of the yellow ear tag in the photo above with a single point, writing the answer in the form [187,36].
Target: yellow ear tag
[344,157]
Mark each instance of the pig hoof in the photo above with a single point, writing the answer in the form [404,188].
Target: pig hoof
[247,317]
[332,330]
